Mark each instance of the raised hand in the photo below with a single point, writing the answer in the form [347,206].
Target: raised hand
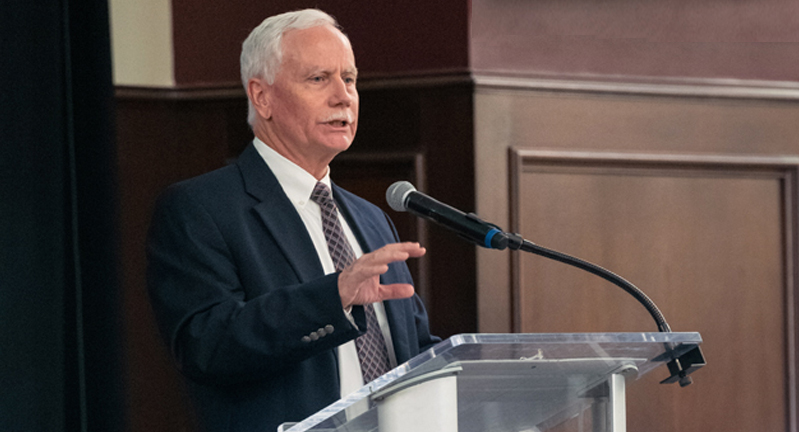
[359,283]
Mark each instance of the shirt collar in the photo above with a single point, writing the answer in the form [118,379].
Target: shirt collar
[297,183]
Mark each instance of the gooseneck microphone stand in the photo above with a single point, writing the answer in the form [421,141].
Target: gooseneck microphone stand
[679,367]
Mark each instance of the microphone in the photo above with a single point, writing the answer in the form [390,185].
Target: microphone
[402,196]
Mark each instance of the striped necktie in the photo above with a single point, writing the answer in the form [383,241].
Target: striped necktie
[371,346]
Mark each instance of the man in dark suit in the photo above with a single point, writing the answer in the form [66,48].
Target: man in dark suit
[275,299]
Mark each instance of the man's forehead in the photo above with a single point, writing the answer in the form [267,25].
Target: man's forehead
[308,48]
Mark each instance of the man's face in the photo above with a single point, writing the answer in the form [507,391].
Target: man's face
[313,101]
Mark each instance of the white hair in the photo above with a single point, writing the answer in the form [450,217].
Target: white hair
[262,51]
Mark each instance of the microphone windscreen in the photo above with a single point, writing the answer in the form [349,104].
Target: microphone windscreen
[396,194]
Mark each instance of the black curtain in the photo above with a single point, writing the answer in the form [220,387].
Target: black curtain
[60,320]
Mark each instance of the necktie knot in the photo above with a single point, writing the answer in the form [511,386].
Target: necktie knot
[337,243]
[321,195]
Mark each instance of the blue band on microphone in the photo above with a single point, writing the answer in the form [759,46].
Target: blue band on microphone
[490,236]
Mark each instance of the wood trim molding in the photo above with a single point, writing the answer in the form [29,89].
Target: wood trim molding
[682,87]
[784,169]
[791,226]
[220,92]
[442,78]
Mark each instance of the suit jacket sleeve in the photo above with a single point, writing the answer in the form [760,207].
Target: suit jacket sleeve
[219,330]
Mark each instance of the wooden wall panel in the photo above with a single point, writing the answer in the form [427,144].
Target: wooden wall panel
[680,229]
[691,197]
[579,117]
[617,120]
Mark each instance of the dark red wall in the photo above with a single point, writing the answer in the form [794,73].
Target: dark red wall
[648,38]
[651,38]
[388,37]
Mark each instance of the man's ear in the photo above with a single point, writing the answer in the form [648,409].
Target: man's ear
[259,93]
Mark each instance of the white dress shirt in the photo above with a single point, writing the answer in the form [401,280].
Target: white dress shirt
[298,185]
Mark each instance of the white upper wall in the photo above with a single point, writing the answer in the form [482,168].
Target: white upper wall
[141,43]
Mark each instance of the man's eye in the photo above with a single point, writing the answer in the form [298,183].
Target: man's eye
[317,79]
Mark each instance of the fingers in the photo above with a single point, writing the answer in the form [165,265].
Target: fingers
[376,263]
[412,248]
[396,291]
[360,282]
[393,252]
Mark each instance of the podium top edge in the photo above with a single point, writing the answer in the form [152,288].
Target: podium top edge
[651,337]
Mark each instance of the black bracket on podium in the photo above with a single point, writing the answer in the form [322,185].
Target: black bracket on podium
[684,365]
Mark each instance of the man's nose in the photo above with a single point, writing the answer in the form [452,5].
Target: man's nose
[342,92]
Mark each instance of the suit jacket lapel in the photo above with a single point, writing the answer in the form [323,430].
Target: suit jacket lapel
[369,236]
[279,215]
[365,230]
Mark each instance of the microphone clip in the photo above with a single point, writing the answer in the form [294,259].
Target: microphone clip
[684,365]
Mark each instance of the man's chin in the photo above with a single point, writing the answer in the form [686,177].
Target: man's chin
[338,145]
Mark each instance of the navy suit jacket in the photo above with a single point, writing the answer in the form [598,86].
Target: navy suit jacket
[236,284]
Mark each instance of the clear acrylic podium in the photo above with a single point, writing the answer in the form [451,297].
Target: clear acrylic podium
[506,382]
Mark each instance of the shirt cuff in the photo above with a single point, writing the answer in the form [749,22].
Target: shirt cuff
[348,314]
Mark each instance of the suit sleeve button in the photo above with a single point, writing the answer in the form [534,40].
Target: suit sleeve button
[321,332]
[329,329]
[306,339]
[314,336]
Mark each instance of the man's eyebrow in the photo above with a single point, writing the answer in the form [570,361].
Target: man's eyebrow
[311,70]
